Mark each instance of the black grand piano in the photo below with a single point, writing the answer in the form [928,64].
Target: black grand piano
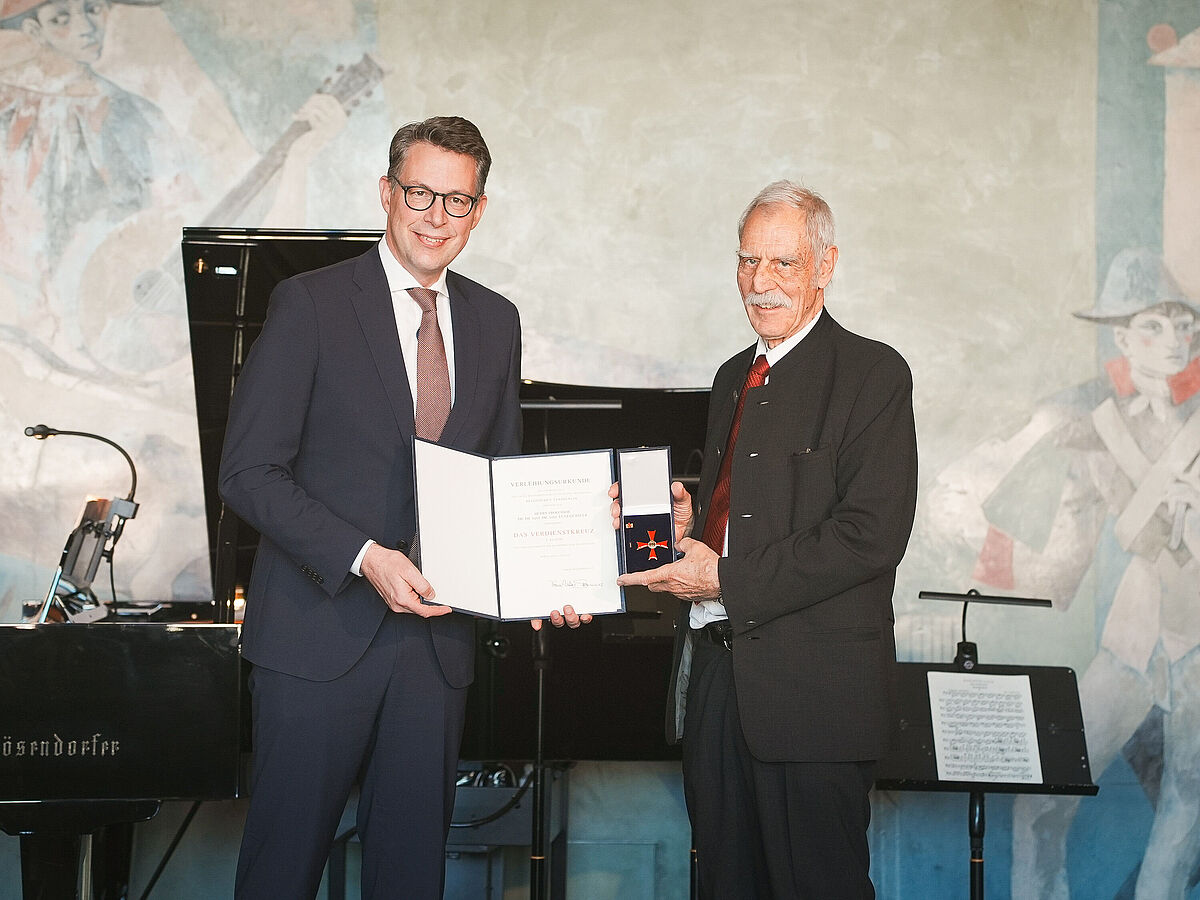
[101,722]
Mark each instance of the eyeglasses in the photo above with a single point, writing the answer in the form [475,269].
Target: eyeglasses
[419,198]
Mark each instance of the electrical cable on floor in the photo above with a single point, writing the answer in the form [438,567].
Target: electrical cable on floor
[503,810]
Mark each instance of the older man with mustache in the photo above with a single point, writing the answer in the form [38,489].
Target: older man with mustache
[785,651]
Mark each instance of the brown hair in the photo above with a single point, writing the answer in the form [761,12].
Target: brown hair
[452,133]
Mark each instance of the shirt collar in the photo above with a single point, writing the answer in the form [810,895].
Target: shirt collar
[781,349]
[400,279]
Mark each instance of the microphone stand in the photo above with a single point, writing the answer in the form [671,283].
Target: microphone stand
[967,658]
[109,531]
[537,848]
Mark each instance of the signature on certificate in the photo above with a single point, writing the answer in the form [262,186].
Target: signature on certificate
[575,583]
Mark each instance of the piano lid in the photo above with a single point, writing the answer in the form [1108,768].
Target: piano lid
[229,274]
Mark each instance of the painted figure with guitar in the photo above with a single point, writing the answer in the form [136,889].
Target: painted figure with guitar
[95,185]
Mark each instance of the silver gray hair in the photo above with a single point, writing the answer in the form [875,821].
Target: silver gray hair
[818,217]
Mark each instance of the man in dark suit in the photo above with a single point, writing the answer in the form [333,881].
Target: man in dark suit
[356,674]
[784,652]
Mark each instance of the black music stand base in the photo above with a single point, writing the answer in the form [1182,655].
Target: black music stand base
[975,825]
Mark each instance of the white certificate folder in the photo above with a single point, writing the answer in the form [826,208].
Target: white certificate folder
[515,537]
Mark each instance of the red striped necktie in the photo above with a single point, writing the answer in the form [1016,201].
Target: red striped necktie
[717,518]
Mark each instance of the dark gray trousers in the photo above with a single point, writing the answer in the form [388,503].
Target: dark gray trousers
[767,830]
[391,721]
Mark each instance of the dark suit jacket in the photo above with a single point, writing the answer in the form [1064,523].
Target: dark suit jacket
[318,457]
[822,496]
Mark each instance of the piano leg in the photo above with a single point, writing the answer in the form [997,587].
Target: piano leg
[112,855]
[50,866]
[56,833]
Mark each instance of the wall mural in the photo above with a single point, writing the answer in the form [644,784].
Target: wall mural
[114,137]
[1096,499]
[1006,154]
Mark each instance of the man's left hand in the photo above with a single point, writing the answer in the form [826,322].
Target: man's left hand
[694,577]
[566,617]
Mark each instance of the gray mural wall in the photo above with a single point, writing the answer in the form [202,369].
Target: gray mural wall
[992,166]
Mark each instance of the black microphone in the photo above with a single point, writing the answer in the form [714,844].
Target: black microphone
[41,432]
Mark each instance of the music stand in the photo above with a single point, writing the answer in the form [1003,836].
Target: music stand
[912,763]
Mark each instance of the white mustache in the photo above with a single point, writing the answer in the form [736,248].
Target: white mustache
[769,300]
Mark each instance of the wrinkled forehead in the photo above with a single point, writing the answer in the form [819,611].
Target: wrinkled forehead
[776,231]
[435,167]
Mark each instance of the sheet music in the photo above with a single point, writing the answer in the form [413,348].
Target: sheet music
[983,728]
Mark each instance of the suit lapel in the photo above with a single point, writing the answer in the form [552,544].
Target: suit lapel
[801,384]
[468,343]
[373,306]
[722,404]
[726,396]
[799,390]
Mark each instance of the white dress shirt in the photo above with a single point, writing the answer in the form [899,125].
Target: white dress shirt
[408,323]
[408,316]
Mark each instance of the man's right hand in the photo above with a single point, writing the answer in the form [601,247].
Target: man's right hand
[399,582]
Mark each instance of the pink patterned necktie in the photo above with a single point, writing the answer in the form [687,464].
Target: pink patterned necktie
[717,519]
[433,377]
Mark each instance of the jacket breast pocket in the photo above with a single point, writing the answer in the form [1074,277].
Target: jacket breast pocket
[813,486]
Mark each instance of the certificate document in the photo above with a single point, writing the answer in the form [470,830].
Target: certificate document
[518,536]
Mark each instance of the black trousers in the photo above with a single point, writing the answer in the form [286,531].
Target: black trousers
[767,830]
[391,722]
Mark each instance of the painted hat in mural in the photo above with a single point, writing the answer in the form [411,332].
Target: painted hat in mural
[12,8]
[1137,280]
